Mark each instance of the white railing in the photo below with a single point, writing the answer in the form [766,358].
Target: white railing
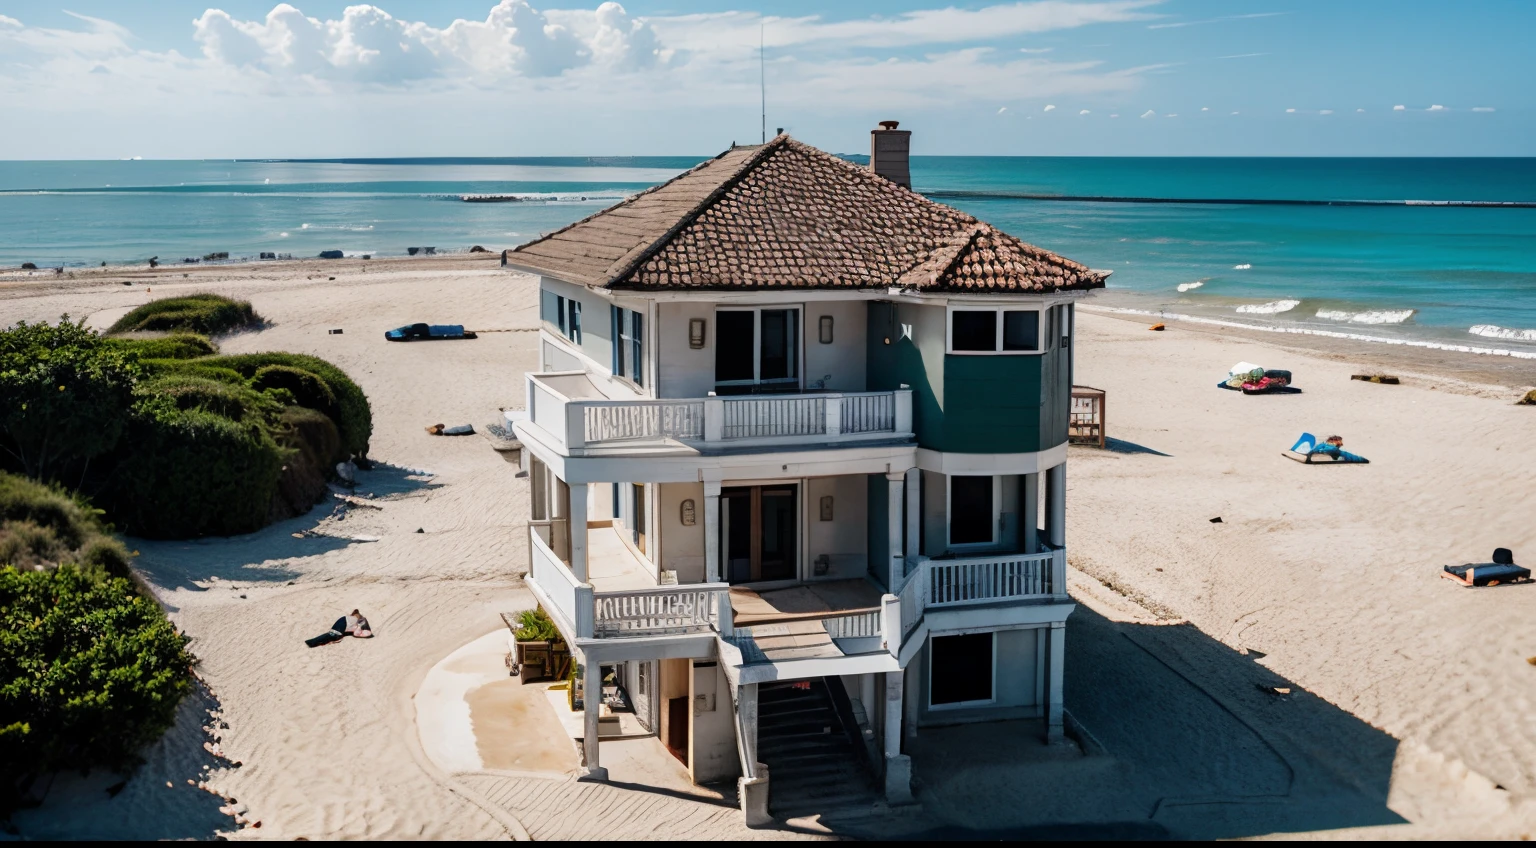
[911,597]
[956,582]
[826,417]
[650,612]
[619,421]
[770,417]
[570,596]
[855,625]
[869,412]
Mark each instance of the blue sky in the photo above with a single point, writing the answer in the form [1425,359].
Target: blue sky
[174,79]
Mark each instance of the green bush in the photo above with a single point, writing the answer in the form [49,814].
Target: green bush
[535,625]
[353,418]
[62,396]
[233,401]
[90,672]
[176,346]
[193,472]
[209,314]
[305,387]
[193,367]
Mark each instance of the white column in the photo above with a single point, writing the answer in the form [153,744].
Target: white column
[712,531]
[897,502]
[577,515]
[1031,513]
[914,510]
[1056,653]
[898,767]
[1057,480]
[592,699]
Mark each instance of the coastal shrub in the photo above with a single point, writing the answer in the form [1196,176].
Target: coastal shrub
[1529,399]
[42,526]
[306,388]
[313,447]
[90,672]
[535,625]
[62,395]
[192,471]
[193,367]
[175,346]
[208,314]
[353,418]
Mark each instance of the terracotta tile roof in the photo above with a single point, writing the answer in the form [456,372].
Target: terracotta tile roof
[786,215]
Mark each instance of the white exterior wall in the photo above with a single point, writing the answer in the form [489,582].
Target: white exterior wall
[844,359]
[685,372]
[844,539]
[712,744]
[596,326]
[682,547]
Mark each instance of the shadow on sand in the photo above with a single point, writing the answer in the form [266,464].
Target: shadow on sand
[1115,445]
[258,557]
[1189,741]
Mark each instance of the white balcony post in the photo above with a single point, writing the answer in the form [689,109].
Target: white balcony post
[898,767]
[591,701]
[712,531]
[714,418]
[903,400]
[576,514]
[725,621]
[896,503]
[914,485]
[575,426]
[1057,480]
[1031,512]
[833,406]
[890,623]
[1057,655]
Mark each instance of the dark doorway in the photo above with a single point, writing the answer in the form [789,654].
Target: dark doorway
[757,350]
[961,669]
[677,728]
[760,539]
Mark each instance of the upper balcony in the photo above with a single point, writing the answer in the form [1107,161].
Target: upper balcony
[580,421]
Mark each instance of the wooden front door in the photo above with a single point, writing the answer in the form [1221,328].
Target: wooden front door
[759,538]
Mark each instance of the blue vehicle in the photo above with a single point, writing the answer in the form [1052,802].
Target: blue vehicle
[428,332]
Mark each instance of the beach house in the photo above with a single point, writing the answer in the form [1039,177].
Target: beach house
[797,450]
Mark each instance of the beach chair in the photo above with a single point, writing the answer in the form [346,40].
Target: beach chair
[1501,570]
[1309,450]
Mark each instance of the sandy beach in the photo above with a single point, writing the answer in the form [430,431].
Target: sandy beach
[1326,577]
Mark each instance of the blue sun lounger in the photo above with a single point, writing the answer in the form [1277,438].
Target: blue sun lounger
[428,332]
[1309,450]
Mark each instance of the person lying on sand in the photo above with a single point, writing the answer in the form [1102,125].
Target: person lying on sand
[351,624]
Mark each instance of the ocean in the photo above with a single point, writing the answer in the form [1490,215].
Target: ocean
[1363,248]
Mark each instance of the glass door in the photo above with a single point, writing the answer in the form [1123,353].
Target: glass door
[757,350]
[759,538]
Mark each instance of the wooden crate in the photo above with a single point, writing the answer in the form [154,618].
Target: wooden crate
[1085,426]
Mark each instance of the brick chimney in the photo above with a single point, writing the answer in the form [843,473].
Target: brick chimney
[888,152]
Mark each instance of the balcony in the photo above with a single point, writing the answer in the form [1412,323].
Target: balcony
[619,600]
[579,420]
[951,583]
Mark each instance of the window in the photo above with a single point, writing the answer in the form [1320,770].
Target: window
[628,344]
[972,501]
[995,330]
[757,348]
[639,516]
[564,314]
[961,670]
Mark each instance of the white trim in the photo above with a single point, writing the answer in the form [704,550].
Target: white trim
[962,705]
[980,464]
[997,506]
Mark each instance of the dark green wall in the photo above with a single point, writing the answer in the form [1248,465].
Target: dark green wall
[968,404]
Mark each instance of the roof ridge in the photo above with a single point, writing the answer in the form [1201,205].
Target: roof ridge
[956,248]
[626,201]
[627,263]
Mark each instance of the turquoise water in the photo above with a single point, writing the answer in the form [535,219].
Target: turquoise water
[1432,274]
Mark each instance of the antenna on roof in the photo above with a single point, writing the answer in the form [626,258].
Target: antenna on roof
[762,77]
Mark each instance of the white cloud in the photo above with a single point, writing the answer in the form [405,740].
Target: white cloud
[1359,110]
[9,22]
[1205,108]
[1399,108]
[1114,116]
[1150,113]
[1242,56]
[1236,113]
[1171,115]
[1084,112]
[1036,49]
[1289,111]
[1002,110]
[1326,112]
[1221,19]
[1437,108]
[1048,108]
[1483,109]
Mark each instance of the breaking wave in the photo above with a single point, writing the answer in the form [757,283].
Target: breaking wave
[1381,316]
[1492,332]
[1274,307]
[1184,287]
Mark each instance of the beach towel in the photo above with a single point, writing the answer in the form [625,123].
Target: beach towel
[1258,381]
[429,332]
